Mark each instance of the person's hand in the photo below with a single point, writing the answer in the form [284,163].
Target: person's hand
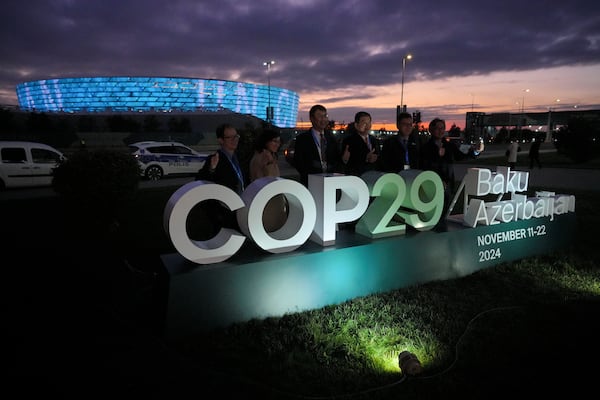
[371,156]
[480,147]
[214,160]
[346,155]
[270,158]
[477,148]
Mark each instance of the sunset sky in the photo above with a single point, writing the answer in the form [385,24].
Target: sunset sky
[346,55]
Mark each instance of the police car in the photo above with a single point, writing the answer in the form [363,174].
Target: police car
[159,159]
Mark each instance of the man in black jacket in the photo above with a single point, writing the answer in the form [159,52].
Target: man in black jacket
[316,150]
[401,151]
[360,150]
[223,168]
[438,155]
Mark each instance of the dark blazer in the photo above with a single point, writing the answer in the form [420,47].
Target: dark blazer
[224,174]
[444,166]
[307,159]
[393,154]
[357,163]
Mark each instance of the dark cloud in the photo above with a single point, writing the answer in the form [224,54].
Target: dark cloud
[318,45]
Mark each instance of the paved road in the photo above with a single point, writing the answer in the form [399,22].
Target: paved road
[551,178]
[545,178]
[25,193]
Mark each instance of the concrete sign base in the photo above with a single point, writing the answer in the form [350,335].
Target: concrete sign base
[255,284]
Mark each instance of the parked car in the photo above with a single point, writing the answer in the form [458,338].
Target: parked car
[160,159]
[27,164]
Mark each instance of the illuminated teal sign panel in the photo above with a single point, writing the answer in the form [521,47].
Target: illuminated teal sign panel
[255,284]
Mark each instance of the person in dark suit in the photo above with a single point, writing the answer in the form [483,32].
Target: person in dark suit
[401,151]
[534,152]
[223,168]
[317,150]
[438,154]
[360,149]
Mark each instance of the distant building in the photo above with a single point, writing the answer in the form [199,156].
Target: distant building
[158,94]
[485,125]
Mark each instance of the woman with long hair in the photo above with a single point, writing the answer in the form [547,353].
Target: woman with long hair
[265,162]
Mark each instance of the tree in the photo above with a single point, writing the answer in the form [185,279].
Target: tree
[96,186]
[454,131]
[7,121]
[117,123]
[579,139]
[151,124]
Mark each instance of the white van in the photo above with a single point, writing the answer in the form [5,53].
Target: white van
[26,164]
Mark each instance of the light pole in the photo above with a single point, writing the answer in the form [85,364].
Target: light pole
[521,121]
[549,131]
[269,110]
[523,102]
[406,57]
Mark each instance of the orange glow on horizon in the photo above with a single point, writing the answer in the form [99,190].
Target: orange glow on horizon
[452,98]
[303,125]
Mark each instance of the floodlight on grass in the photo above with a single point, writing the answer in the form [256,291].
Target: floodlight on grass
[409,363]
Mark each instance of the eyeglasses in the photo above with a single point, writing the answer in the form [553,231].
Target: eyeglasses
[231,137]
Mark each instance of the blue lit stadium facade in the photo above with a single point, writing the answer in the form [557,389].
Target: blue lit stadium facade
[158,94]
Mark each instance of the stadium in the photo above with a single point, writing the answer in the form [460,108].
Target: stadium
[159,94]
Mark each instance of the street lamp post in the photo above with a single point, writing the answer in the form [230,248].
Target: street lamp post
[523,102]
[549,130]
[406,57]
[269,110]
[521,121]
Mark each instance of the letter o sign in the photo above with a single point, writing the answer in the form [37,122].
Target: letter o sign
[302,214]
[225,244]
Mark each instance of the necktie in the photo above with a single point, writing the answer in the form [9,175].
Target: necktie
[323,152]
[405,144]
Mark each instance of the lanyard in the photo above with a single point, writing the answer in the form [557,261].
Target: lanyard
[237,169]
[404,143]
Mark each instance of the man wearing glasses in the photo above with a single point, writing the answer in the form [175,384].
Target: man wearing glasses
[317,150]
[401,151]
[224,169]
[360,150]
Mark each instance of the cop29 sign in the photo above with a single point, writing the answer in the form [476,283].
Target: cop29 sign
[383,203]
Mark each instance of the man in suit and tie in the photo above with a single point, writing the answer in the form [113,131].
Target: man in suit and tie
[360,150]
[223,168]
[317,150]
[401,151]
